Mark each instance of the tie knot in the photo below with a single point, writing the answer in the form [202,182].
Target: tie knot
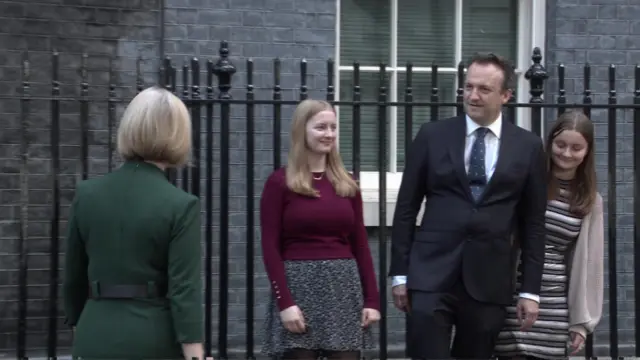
[482,131]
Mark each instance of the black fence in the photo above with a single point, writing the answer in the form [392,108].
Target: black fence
[211,102]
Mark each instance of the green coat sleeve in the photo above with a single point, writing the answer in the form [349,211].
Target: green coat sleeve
[76,283]
[185,267]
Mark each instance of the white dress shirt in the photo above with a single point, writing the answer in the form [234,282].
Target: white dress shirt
[492,144]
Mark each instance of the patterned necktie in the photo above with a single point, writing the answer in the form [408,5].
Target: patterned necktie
[477,171]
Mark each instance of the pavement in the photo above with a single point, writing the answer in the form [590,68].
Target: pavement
[4,356]
[237,354]
[261,358]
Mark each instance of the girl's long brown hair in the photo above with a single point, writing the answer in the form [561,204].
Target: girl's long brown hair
[298,172]
[583,186]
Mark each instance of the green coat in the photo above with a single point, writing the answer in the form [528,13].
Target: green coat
[131,227]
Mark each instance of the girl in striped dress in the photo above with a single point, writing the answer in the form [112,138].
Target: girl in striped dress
[571,293]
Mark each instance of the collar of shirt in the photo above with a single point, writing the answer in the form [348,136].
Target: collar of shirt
[495,127]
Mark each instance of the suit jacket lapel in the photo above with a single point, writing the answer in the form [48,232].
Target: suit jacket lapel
[456,151]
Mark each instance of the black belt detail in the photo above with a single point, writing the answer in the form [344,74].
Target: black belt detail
[99,290]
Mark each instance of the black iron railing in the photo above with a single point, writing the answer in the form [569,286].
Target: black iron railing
[218,103]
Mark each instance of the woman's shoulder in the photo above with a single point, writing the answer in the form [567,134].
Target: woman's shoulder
[598,199]
[275,186]
[277,176]
[87,188]
[596,208]
[597,205]
[353,176]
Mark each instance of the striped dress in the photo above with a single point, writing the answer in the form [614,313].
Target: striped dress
[549,336]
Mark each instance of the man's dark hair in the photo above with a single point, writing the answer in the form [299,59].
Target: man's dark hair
[508,70]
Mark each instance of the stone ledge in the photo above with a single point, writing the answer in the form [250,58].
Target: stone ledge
[369,185]
[371,206]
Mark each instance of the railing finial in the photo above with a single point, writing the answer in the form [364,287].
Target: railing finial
[536,75]
[224,70]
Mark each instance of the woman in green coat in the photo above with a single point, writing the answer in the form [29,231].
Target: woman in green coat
[132,287]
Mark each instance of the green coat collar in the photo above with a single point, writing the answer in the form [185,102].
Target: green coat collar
[139,165]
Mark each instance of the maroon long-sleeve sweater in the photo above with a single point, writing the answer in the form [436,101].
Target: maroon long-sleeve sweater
[298,227]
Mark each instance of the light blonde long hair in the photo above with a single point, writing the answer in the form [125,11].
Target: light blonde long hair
[298,173]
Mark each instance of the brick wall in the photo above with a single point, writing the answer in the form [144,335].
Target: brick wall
[102,30]
[603,32]
[260,30]
[600,32]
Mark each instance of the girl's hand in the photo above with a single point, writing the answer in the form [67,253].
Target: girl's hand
[577,342]
[369,316]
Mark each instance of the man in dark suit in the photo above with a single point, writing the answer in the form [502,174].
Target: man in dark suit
[483,177]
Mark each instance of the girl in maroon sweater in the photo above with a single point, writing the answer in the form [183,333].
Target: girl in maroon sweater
[315,248]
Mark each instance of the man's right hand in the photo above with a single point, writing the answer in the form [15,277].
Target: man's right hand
[293,320]
[527,311]
[400,297]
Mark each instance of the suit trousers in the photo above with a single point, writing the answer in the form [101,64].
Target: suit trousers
[432,316]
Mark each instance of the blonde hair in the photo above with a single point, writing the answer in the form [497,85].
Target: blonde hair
[298,173]
[156,126]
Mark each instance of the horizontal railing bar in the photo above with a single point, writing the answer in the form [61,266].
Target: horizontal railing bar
[416,69]
[187,81]
[509,105]
[400,69]
[344,103]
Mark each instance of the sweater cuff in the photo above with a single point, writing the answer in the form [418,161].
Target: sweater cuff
[579,329]
[530,296]
[372,304]
[189,332]
[398,280]
[284,301]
